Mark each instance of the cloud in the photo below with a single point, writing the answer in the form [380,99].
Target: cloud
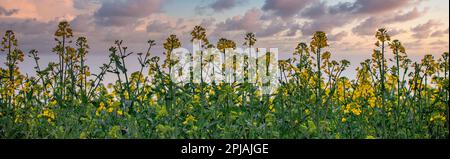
[293,29]
[338,36]
[413,14]
[251,21]
[439,33]
[422,31]
[285,8]
[6,12]
[316,10]
[26,26]
[221,5]
[208,22]
[280,22]
[368,26]
[325,17]
[321,17]
[439,43]
[85,4]
[326,24]
[123,12]
[83,23]
[217,6]
[159,26]
[393,32]
[273,28]
[41,10]
[31,33]
[374,7]
[164,25]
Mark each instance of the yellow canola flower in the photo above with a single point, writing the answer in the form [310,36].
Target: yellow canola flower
[344,120]
[48,114]
[27,86]
[372,101]
[189,119]
[271,108]
[48,85]
[53,103]
[356,111]
[102,105]
[100,108]
[126,95]
[212,92]
[46,94]
[370,137]
[161,111]
[120,112]
[196,98]
[346,109]
[307,112]
[437,118]
[110,109]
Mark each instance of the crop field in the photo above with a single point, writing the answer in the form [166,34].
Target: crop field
[389,97]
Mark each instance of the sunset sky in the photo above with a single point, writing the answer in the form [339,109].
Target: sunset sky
[421,25]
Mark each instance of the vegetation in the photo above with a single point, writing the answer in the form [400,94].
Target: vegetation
[396,99]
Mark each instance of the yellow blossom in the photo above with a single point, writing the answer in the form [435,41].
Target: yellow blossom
[100,108]
[271,108]
[189,119]
[307,112]
[356,111]
[196,98]
[47,113]
[48,85]
[27,87]
[119,112]
[372,101]
[53,103]
[370,137]
[437,118]
[346,109]
[102,105]
[110,109]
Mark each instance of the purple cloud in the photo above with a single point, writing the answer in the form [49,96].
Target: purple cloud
[85,4]
[159,26]
[7,12]
[120,12]
[325,17]
[338,36]
[221,5]
[413,14]
[439,33]
[368,26]
[251,21]
[369,6]
[422,31]
[83,23]
[285,8]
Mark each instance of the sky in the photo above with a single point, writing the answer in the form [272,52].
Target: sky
[421,25]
